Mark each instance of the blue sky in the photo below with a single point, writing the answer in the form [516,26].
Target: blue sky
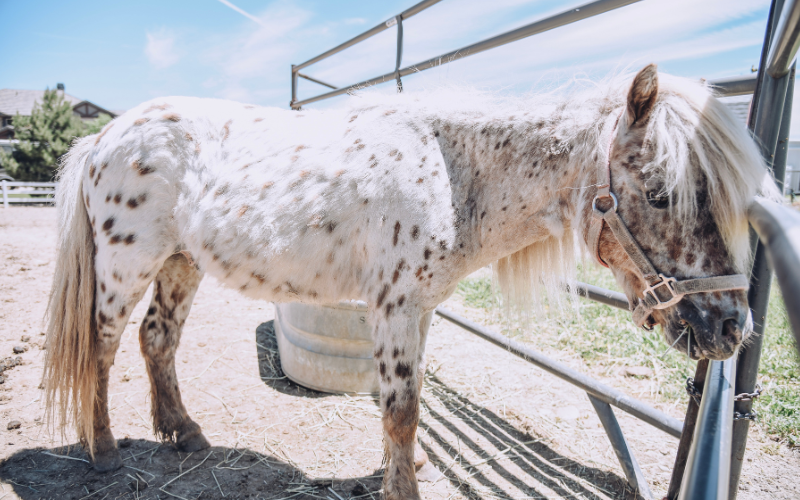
[119,54]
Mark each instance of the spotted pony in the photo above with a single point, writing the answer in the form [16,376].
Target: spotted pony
[391,200]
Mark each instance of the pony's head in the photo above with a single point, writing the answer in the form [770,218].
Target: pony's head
[683,171]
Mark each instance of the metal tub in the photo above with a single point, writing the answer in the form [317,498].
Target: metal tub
[327,348]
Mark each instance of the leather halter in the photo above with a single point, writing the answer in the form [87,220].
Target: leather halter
[662,291]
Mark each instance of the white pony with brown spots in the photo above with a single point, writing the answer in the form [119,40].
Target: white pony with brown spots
[392,201]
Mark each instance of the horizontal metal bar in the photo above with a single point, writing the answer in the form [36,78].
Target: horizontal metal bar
[562,19]
[709,463]
[785,41]
[597,294]
[735,85]
[312,79]
[778,227]
[415,9]
[626,458]
[657,419]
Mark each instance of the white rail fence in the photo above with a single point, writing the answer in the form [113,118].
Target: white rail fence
[27,193]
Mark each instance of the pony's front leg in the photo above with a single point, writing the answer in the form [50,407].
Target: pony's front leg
[398,356]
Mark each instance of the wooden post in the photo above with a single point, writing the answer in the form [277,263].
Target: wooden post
[5,193]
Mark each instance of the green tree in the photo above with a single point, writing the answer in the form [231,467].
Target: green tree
[44,137]
[96,125]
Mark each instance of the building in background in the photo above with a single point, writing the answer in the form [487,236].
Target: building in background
[13,101]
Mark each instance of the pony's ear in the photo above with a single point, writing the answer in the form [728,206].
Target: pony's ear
[642,95]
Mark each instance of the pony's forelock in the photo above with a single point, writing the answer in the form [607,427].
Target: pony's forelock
[697,141]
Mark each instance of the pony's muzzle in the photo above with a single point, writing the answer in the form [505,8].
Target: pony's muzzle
[717,336]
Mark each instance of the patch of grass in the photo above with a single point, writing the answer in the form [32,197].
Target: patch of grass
[606,339]
[779,405]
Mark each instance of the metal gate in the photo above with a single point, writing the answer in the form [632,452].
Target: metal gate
[713,435]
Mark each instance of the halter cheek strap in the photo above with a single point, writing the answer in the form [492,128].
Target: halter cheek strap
[662,291]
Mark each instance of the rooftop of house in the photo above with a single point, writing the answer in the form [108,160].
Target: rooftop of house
[13,101]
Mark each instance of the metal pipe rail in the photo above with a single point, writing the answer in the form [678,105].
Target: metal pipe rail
[785,41]
[734,85]
[657,419]
[598,294]
[416,9]
[562,19]
[710,455]
[778,227]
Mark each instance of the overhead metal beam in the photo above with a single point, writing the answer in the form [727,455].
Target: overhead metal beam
[416,9]
[567,17]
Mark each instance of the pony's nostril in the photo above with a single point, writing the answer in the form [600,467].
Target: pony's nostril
[731,331]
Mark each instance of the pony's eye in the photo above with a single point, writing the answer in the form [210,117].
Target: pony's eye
[657,200]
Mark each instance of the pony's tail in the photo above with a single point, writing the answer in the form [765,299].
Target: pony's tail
[70,369]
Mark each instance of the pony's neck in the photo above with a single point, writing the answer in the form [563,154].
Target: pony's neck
[518,178]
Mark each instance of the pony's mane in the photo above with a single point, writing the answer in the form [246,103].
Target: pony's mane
[695,141]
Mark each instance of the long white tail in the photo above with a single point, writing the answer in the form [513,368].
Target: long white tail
[70,370]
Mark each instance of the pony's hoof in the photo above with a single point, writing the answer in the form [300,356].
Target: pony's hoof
[428,473]
[108,460]
[195,442]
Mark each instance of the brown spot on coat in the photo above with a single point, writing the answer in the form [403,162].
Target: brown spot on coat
[101,134]
[108,224]
[130,239]
[173,117]
[382,295]
[135,202]
[159,107]
[402,370]
[397,228]
[141,121]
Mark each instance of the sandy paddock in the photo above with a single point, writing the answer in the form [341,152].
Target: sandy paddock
[496,426]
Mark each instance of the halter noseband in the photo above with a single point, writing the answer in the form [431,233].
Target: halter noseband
[662,291]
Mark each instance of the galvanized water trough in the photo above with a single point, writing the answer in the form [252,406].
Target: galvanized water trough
[327,348]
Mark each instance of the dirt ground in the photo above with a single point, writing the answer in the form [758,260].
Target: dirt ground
[495,426]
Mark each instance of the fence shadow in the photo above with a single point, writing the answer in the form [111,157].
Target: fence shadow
[537,463]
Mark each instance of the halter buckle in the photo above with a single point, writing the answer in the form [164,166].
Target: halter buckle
[668,285]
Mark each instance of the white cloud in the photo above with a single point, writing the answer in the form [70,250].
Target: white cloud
[160,49]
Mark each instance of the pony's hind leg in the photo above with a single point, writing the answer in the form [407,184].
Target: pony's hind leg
[159,335]
[115,298]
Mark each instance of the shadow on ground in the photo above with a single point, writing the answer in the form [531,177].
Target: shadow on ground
[536,464]
[151,470]
[462,440]
[269,365]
